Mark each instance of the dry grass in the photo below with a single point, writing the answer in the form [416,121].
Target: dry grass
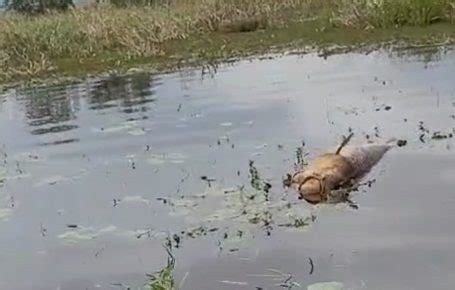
[30,46]
[394,13]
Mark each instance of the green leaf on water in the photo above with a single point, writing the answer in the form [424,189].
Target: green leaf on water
[326,286]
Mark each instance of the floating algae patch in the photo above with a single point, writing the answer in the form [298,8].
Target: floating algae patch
[5,213]
[75,236]
[326,286]
[135,199]
[137,132]
[162,158]
[78,234]
[57,178]
[27,157]
[183,207]
[51,180]
[240,210]
[155,159]
[131,127]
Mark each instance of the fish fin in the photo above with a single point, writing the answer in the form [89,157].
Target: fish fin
[344,143]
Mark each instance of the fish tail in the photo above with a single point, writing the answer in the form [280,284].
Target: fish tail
[391,141]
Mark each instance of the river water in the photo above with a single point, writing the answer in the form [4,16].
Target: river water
[97,176]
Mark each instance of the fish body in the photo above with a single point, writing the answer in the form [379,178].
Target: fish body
[332,171]
[363,158]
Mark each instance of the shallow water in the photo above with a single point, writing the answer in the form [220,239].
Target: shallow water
[98,174]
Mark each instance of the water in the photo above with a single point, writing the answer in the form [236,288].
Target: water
[99,174]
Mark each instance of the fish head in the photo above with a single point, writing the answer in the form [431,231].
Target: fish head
[310,188]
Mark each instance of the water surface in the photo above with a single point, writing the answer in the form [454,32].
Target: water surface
[98,174]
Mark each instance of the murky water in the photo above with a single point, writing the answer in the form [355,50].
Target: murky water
[97,175]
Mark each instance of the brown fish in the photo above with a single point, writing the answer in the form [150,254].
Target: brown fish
[333,171]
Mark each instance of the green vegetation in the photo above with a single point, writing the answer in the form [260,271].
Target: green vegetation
[164,279]
[131,33]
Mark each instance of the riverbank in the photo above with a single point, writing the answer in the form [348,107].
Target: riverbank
[93,39]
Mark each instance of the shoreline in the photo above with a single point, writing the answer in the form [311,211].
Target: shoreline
[213,47]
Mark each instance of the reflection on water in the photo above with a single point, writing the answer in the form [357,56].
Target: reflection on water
[44,106]
[46,109]
[56,110]
[53,129]
[96,176]
[131,94]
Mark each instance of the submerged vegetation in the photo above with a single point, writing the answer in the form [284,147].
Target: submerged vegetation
[127,33]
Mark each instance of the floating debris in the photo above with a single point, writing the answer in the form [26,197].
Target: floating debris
[402,143]
[439,136]
[208,179]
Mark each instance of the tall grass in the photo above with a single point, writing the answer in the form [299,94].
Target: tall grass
[395,13]
[31,45]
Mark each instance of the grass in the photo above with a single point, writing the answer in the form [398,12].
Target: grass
[164,279]
[94,39]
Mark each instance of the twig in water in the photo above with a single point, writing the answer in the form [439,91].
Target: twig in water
[311,265]
[148,233]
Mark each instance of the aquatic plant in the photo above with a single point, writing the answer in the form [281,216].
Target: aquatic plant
[164,279]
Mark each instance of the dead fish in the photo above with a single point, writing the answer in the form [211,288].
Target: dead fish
[341,169]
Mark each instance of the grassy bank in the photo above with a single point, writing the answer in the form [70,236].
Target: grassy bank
[95,39]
